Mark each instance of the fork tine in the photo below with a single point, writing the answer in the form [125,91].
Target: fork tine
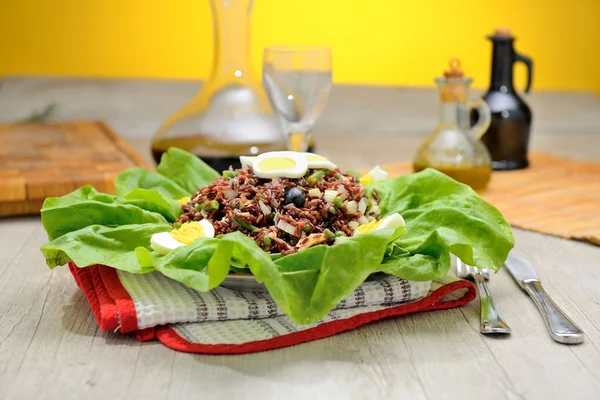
[460,268]
[486,273]
[466,270]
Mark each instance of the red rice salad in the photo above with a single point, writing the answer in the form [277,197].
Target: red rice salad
[283,215]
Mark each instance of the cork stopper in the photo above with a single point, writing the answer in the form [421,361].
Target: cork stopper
[454,91]
[454,72]
[503,32]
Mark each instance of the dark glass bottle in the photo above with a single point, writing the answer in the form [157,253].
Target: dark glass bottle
[507,138]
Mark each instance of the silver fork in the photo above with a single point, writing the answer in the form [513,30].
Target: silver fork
[491,321]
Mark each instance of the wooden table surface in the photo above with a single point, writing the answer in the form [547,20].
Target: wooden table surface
[51,348]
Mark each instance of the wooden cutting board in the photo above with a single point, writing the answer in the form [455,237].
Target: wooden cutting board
[555,195]
[38,160]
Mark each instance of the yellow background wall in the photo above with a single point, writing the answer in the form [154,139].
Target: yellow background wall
[395,42]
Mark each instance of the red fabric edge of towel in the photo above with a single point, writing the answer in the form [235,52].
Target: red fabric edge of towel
[170,338]
[110,302]
[102,305]
[146,335]
[122,299]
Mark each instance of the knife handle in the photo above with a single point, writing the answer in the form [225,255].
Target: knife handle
[561,328]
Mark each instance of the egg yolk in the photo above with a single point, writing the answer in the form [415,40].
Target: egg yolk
[370,227]
[366,179]
[184,200]
[315,157]
[276,164]
[188,232]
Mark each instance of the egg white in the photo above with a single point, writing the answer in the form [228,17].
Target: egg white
[163,243]
[392,221]
[323,164]
[246,161]
[378,174]
[300,168]
[209,229]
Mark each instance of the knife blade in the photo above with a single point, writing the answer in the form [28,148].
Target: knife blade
[561,328]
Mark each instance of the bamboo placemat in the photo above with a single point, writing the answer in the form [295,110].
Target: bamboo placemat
[38,160]
[555,195]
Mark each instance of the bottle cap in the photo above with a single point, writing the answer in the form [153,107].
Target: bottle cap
[454,91]
[501,34]
[504,32]
[454,71]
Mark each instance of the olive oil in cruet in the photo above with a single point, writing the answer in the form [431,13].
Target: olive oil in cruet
[454,147]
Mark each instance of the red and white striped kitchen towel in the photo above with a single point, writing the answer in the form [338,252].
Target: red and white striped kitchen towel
[225,321]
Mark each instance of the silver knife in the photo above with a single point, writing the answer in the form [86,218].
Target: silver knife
[561,328]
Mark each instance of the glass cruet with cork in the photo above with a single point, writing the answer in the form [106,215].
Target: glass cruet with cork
[454,147]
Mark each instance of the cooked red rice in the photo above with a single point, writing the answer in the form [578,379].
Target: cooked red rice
[239,209]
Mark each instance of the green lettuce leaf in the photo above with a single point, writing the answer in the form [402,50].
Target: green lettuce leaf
[97,244]
[153,200]
[136,177]
[442,216]
[86,206]
[306,285]
[186,170]
[415,267]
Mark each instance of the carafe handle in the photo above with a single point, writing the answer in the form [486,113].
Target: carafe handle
[484,117]
[529,63]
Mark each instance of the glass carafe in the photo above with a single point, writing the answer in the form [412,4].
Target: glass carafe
[454,147]
[230,116]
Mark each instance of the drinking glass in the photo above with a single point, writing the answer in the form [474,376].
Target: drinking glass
[297,80]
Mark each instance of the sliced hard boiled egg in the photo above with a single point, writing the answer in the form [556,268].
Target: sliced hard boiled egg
[246,161]
[165,242]
[374,175]
[280,164]
[190,231]
[366,179]
[392,221]
[317,161]
[378,174]
[184,200]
